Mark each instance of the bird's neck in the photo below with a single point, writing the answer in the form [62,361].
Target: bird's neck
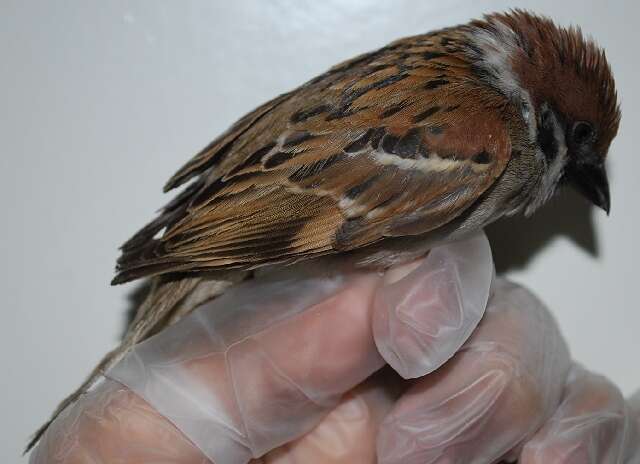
[493,51]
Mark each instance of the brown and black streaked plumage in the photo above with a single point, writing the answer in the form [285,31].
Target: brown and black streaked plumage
[275,187]
[427,139]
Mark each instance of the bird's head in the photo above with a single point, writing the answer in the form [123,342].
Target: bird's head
[566,91]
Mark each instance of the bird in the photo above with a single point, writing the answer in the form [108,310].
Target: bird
[423,141]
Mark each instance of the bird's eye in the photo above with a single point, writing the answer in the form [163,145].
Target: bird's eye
[583,132]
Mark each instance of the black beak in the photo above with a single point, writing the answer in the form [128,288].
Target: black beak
[590,179]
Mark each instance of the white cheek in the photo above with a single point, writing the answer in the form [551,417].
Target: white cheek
[528,114]
[496,47]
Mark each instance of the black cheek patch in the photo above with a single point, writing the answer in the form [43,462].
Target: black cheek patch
[547,141]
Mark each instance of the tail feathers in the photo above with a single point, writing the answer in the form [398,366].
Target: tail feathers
[157,308]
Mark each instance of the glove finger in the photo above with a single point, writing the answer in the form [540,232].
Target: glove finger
[254,369]
[112,424]
[348,434]
[263,364]
[490,397]
[593,424]
[423,318]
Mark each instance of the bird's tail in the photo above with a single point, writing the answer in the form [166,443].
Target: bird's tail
[166,302]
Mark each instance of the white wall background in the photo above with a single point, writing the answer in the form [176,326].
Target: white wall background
[101,101]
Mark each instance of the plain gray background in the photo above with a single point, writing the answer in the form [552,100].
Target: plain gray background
[102,101]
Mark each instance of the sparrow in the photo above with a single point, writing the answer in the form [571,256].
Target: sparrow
[423,141]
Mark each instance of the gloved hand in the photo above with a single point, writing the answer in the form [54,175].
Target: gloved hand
[282,368]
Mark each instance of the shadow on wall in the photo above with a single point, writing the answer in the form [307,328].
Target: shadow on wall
[515,240]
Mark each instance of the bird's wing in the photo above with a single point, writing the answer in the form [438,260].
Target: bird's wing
[395,142]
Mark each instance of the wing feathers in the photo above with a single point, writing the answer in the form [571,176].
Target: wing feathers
[222,145]
[387,144]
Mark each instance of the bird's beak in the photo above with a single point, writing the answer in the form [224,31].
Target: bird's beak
[590,179]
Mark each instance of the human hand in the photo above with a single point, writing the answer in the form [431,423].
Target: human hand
[511,393]
[254,375]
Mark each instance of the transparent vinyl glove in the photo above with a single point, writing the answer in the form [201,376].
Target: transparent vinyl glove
[263,364]
[507,372]
[291,369]
[593,424]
